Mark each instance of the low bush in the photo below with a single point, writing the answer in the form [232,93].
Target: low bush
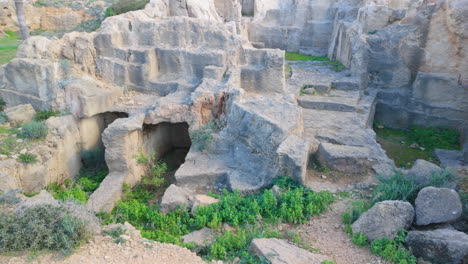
[46,114]
[33,130]
[27,158]
[393,250]
[359,240]
[202,138]
[154,170]
[395,187]
[357,208]
[2,104]
[124,6]
[41,228]
[3,118]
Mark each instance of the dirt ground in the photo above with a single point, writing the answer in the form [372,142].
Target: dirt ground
[326,234]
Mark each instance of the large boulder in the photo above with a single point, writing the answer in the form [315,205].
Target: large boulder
[422,171]
[439,246]
[437,205]
[279,251]
[174,196]
[20,114]
[385,219]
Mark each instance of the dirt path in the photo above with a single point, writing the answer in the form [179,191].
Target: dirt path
[326,234]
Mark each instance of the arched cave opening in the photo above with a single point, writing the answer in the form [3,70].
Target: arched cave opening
[170,143]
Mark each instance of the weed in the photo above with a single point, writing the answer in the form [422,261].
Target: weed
[290,56]
[323,169]
[357,208]
[395,187]
[393,250]
[337,66]
[3,118]
[202,138]
[359,240]
[27,158]
[115,232]
[33,130]
[435,137]
[328,262]
[41,227]
[120,240]
[154,168]
[124,6]
[295,205]
[46,114]
[2,104]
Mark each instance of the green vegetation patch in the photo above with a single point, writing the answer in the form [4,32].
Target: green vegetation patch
[399,144]
[33,130]
[8,46]
[290,56]
[41,228]
[124,6]
[249,214]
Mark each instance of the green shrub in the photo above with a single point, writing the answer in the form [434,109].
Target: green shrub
[46,114]
[154,170]
[359,240]
[41,228]
[202,138]
[2,104]
[3,118]
[9,197]
[124,6]
[328,262]
[395,187]
[357,208]
[115,232]
[33,130]
[393,250]
[27,158]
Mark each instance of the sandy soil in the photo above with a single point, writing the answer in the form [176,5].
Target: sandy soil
[104,250]
[326,234]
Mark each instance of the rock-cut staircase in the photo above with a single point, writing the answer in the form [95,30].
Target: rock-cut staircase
[338,116]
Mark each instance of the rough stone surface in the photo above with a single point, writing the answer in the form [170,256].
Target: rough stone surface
[20,114]
[422,171]
[174,196]
[437,205]
[202,200]
[279,251]
[439,246]
[385,219]
[202,237]
[42,198]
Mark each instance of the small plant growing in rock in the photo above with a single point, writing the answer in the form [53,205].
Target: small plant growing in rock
[33,130]
[155,169]
[202,138]
[27,158]
[2,104]
[46,114]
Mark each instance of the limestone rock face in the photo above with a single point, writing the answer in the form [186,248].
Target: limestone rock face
[384,219]
[437,205]
[20,114]
[279,251]
[439,246]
